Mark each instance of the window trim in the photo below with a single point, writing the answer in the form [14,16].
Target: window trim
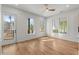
[33,27]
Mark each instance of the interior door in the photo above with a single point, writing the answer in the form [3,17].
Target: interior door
[9,29]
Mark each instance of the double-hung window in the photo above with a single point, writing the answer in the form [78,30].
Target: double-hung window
[30,25]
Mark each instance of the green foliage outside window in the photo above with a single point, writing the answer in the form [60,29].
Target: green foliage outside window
[30,26]
[41,25]
[55,30]
[42,28]
[62,27]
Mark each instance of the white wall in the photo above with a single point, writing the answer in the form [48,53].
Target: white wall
[21,23]
[0,32]
[0,25]
[73,23]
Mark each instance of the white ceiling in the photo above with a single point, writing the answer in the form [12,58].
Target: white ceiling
[40,8]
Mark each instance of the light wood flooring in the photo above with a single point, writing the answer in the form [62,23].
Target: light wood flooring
[42,46]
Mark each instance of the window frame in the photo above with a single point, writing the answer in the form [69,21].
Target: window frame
[57,29]
[33,26]
[42,23]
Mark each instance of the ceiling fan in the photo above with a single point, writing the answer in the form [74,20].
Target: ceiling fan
[47,8]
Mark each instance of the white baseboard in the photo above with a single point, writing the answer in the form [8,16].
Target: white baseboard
[66,38]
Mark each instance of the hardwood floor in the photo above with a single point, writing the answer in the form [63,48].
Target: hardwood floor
[0,49]
[43,46]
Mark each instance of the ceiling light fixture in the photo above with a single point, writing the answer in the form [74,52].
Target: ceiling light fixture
[16,4]
[67,6]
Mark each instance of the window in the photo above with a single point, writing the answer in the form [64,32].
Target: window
[9,27]
[30,25]
[41,25]
[60,26]
[63,26]
[0,28]
[78,28]
[55,27]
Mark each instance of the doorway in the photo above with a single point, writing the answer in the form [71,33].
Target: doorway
[9,29]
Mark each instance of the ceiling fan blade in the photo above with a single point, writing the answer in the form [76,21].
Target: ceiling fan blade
[48,9]
[51,9]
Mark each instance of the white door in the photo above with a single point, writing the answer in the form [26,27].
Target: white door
[9,29]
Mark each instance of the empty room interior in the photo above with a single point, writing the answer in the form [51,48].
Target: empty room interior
[39,29]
